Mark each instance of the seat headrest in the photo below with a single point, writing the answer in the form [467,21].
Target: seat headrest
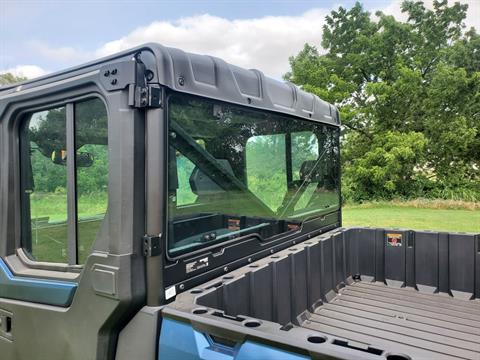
[202,184]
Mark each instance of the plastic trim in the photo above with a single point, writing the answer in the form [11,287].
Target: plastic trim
[57,293]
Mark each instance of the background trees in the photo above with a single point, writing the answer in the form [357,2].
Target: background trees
[409,98]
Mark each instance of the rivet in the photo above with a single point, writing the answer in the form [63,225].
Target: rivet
[181,287]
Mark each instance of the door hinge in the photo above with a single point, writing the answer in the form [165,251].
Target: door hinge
[146,96]
[133,75]
[152,245]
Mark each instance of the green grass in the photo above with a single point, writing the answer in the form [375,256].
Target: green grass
[49,238]
[409,217]
[49,243]
[49,234]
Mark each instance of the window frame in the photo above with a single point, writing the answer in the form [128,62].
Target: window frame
[71,172]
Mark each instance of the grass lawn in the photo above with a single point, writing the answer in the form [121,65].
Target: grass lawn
[397,215]
[49,238]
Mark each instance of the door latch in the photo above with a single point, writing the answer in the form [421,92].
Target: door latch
[6,325]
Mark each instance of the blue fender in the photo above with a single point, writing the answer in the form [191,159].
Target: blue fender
[179,340]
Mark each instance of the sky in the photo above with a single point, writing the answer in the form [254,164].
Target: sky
[38,37]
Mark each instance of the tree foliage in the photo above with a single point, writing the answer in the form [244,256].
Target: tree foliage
[9,78]
[409,98]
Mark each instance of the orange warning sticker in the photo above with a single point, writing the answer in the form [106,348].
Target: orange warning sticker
[394,240]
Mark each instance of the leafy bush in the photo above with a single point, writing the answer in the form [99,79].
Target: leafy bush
[387,169]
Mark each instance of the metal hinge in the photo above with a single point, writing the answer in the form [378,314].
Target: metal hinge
[134,75]
[149,95]
[152,245]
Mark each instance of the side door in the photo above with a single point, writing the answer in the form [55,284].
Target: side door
[71,219]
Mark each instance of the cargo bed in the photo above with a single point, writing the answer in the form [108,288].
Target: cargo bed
[353,293]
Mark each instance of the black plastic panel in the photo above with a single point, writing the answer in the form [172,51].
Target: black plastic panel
[372,292]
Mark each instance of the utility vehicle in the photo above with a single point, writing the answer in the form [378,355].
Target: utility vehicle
[157,204]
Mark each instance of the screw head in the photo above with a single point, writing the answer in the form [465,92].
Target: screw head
[181,80]
[114,82]
[114,71]
[182,286]
[249,260]
[106,73]
[225,269]
[149,75]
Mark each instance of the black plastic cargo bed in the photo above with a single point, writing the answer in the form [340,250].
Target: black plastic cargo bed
[352,293]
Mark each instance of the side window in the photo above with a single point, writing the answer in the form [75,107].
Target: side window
[304,148]
[304,152]
[44,177]
[185,167]
[53,231]
[91,143]
[266,168]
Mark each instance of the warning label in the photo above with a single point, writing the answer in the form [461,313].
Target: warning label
[394,240]
[196,265]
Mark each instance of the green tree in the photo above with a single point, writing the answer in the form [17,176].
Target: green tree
[9,78]
[413,83]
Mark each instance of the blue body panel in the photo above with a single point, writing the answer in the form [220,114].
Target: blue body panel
[179,340]
[51,292]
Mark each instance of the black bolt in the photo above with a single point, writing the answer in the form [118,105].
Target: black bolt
[149,75]
[113,82]
[114,71]
[181,81]
[106,73]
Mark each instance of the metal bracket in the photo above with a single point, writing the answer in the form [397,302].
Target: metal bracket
[148,95]
[132,74]
[119,75]
[152,245]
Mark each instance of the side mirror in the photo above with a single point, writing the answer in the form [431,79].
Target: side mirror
[84,159]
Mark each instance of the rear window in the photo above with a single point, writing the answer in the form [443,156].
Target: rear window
[237,172]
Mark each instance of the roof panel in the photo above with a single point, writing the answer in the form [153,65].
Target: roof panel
[209,77]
